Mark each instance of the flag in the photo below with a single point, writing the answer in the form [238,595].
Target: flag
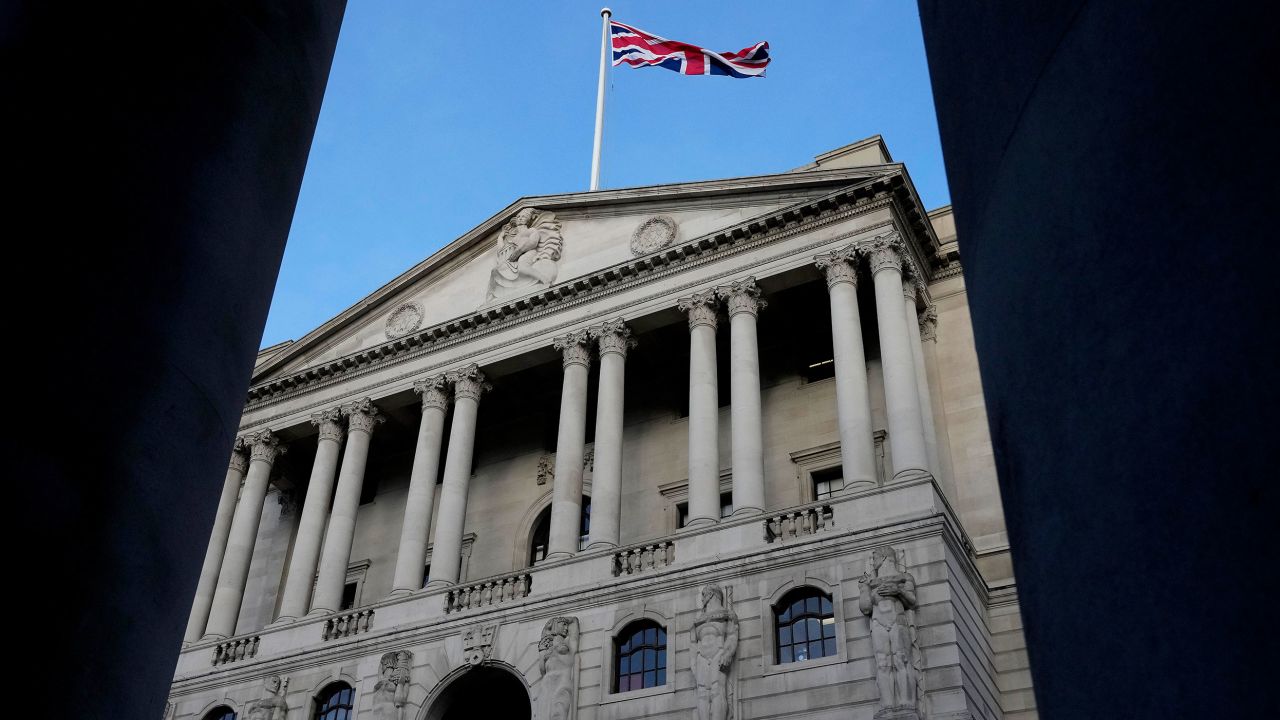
[637,48]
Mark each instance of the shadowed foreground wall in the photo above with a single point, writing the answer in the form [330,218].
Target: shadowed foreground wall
[155,151]
[1112,167]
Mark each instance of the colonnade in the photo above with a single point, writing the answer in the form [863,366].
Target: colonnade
[322,548]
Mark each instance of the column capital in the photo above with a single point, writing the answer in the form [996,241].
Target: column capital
[841,266]
[575,348]
[239,460]
[613,336]
[742,296]
[362,415]
[701,307]
[885,252]
[929,324]
[264,446]
[910,288]
[330,424]
[468,382]
[434,391]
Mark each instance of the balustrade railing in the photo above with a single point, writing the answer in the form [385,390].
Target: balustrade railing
[347,624]
[798,522]
[638,559]
[233,650]
[488,592]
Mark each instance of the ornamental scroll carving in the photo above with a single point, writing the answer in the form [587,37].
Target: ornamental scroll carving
[887,596]
[742,296]
[715,647]
[468,382]
[239,461]
[528,254]
[575,348]
[929,324]
[840,266]
[391,693]
[362,416]
[653,235]
[264,446]
[701,307]
[434,391]
[558,661]
[613,337]
[330,424]
[272,705]
[885,252]
[405,319]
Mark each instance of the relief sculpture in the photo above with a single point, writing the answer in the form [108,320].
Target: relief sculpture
[391,693]
[715,645]
[271,706]
[887,596]
[557,658]
[528,254]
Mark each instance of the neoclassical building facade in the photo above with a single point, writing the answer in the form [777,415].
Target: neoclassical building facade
[710,450]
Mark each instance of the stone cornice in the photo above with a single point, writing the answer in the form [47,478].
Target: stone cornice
[879,192]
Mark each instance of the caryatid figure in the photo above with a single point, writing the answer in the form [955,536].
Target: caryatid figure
[272,705]
[557,659]
[887,595]
[715,645]
[392,689]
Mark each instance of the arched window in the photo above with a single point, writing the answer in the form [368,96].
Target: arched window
[541,536]
[804,625]
[335,702]
[222,712]
[641,656]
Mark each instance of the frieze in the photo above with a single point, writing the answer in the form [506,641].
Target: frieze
[653,235]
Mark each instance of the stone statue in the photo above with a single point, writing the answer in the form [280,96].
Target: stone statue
[558,652]
[715,644]
[887,595]
[271,706]
[529,250]
[392,689]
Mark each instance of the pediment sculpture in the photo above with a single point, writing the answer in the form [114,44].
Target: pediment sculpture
[528,254]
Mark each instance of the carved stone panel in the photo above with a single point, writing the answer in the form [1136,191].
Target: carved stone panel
[477,643]
[405,319]
[558,660]
[391,693]
[527,254]
[653,235]
[887,596]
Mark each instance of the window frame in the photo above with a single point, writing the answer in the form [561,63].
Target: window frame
[316,701]
[224,707]
[769,635]
[629,631]
[611,647]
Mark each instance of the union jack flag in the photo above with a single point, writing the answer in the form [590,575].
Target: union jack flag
[637,48]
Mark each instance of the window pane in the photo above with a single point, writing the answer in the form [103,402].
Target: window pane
[650,659]
[662,637]
[624,683]
[828,627]
[651,636]
[811,605]
[815,648]
[662,676]
[829,646]
[785,616]
[799,631]
[784,654]
[826,606]
[649,678]
[801,653]
[784,635]
[624,665]
[797,607]
[662,658]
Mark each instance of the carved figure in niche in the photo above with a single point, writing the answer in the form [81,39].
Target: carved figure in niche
[557,658]
[271,706]
[529,250]
[887,595]
[392,690]
[715,645]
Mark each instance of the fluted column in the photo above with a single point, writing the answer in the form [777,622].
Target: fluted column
[909,292]
[566,493]
[704,409]
[264,447]
[411,558]
[747,430]
[217,544]
[362,416]
[853,398]
[614,339]
[315,511]
[446,555]
[902,400]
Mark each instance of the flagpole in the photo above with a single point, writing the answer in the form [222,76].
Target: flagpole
[604,50]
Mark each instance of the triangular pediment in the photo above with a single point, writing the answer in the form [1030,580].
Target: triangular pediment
[544,241]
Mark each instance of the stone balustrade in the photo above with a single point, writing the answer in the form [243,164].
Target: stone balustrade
[798,522]
[487,593]
[233,650]
[638,559]
[347,624]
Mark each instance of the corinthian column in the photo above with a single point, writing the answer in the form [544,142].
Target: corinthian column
[362,416]
[566,493]
[902,399]
[412,556]
[744,303]
[446,556]
[853,403]
[614,339]
[909,291]
[225,609]
[704,409]
[315,509]
[217,544]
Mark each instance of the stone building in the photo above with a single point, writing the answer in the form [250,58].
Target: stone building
[704,450]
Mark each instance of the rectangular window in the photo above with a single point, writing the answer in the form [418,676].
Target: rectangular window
[348,596]
[819,370]
[726,508]
[827,483]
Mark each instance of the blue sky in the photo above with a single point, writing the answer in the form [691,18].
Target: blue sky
[438,115]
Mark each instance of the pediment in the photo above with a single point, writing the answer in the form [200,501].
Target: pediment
[541,242]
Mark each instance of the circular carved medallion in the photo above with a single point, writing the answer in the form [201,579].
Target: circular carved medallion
[405,319]
[653,234]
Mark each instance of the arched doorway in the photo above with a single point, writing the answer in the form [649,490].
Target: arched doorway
[503,693]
